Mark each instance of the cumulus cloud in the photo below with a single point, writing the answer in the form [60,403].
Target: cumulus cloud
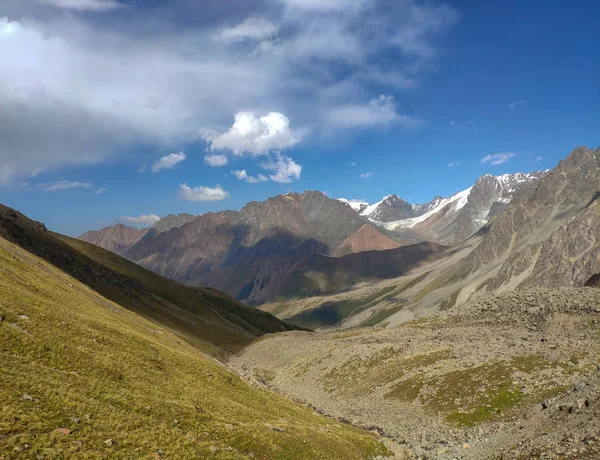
[202,193]
[168,161]
[285,170]
[120,87]
[514,105]
[366,175]
[63,185]
[243,175]
[255,135]
[253,28]
[380,111]
[498,158]
[215,160]
[100,191]
[144,219]
[85,5]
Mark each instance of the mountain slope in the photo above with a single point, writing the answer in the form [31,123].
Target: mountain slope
[210,320]
[83,377]
[366,238]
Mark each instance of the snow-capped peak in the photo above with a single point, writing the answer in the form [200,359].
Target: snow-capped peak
[357,205]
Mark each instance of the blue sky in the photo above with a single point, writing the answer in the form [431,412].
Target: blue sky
[321,92]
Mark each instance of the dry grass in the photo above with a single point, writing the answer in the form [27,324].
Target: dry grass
[106,373]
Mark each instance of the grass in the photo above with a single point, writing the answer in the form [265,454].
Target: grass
[206,318]
[106,373]
[470,396]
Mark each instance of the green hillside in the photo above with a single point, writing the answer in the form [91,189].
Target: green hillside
[83,377]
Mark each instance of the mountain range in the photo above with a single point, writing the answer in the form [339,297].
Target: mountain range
[261,252]
[547,235]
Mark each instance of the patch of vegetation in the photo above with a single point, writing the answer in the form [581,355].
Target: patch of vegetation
[470,396]
[264,375]
[407,390]
[333,312]
[361,376]
[120,386]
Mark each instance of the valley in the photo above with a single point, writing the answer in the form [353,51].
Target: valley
[485,348]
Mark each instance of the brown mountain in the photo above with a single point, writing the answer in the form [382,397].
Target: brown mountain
[251,253]
[117,238]
[366,238]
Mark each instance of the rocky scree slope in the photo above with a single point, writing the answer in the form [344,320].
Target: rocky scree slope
[516,375]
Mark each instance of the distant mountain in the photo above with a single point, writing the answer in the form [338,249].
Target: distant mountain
[172,221]
[366,238]
[448,220]
[117,238]
[545,232]
[250,253]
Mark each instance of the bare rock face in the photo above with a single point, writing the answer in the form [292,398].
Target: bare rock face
[550,230]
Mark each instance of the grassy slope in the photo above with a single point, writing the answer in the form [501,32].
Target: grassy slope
[81,356]
[210,320]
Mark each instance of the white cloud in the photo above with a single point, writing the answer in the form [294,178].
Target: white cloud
[202,193]
[498,158]
[215,160]
[366,175]
[353,163]
[100,191]
[253,28]
[452,123]
[380,111]
[85,5]
[63,185]
[454,163]
[538,158]
[243,175]
[514,105]
[120,86]
[285,170]
[168,162]
[254,135]
[144,219]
